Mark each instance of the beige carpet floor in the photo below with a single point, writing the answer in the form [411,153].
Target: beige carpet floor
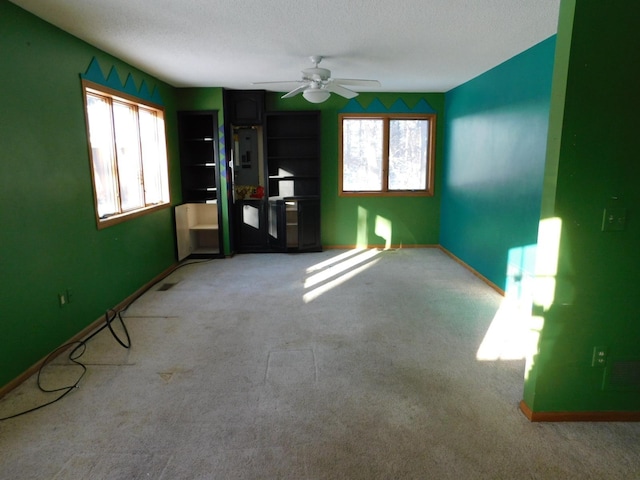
[333,365]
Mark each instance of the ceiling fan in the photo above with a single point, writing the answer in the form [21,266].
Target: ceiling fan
[317,85]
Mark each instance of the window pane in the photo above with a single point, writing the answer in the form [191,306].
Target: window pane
[102,155]
[128,156]
[154,157]
[408,149]
[362,142]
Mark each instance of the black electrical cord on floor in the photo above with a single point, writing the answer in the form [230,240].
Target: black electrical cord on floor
[73,355]
[124,327]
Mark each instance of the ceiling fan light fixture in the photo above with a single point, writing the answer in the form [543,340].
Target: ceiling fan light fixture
[317,85]
[316,95]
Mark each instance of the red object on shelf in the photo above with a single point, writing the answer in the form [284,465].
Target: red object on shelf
[259,193]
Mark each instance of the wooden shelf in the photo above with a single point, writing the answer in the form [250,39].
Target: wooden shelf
[204,226]
[197,226]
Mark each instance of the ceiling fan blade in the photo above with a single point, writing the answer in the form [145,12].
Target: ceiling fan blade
[357,82]
[340,90]
[296,91]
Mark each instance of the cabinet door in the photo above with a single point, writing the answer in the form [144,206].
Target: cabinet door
[251,231]
[183,240]
[246,107]
[277,233]
[309,225]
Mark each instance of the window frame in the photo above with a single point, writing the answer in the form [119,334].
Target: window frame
[89,87]
[428,191]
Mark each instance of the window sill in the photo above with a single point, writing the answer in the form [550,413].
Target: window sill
[402,193]
[123,217]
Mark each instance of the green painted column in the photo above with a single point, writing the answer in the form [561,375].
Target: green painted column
[587,277]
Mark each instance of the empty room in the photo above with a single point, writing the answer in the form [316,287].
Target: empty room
[319,239]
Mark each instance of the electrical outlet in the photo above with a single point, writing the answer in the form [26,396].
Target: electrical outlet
[62,299]
[599,358]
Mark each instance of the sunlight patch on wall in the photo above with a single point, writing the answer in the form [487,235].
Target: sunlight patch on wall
[545,283]
[383,230]
[521,264]
[362,240]
[515,330]
[508,336]
[546,267]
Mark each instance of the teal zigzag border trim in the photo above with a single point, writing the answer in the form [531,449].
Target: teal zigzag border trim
[376,106]
[222,153]
[94,74]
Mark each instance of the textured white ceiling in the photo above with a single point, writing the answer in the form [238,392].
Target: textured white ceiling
[408,45]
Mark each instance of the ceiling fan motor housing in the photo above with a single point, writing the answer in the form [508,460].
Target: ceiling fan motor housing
[316,73]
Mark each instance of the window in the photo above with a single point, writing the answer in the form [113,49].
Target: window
[386,154]
[128,155]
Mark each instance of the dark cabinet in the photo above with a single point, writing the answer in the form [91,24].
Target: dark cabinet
[244,107]
[293,153]
[244,118]
[274,175]
[198,230]
[294,225]
[293,170]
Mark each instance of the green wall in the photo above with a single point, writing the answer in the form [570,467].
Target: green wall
[48,237]
[496,134]
[352,221]
[591,165]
